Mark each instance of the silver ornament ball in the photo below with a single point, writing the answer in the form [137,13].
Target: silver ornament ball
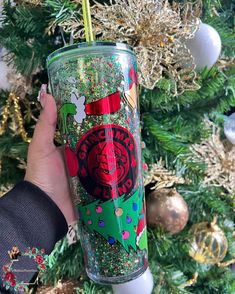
[4,71]
[229,128]
[205,46]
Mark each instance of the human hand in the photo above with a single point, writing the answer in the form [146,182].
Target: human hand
[45,164]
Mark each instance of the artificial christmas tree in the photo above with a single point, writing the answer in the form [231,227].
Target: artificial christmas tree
[182,112]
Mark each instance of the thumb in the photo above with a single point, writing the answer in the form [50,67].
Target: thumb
[45,128]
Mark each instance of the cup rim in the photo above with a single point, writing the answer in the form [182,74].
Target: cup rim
[89,46]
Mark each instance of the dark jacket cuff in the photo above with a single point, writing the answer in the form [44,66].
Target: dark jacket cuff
[29,218]
[35,216]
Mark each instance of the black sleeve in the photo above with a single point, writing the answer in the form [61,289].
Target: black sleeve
[28,218]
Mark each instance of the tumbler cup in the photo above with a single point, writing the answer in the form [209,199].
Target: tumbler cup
[96,89]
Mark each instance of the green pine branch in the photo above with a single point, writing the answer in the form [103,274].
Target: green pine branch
[166,140]
[65,262]
[23,34]
[61,11]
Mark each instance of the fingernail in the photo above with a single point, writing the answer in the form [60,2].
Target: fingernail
[41,94]
[42,99]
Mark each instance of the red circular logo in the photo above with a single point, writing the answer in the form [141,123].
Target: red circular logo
[108,161]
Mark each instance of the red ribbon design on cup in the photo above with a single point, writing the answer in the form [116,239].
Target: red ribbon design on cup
[106,105]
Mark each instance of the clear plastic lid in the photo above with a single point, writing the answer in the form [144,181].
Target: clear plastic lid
[87,48]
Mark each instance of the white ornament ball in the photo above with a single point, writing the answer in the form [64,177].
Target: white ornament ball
[141,285]
[4,71]
[229,128]
[205,47]
[4,68]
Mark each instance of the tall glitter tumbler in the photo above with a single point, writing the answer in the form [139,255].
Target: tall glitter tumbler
[96,88]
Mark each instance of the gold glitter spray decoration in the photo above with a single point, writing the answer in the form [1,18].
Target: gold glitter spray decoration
[156,30]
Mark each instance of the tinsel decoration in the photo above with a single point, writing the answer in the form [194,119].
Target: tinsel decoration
[219,157]
[160,177]
[208,243]
[156,30]
[18,117]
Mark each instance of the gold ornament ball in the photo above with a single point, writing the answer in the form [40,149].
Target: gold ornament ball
[208,243]
[167,208]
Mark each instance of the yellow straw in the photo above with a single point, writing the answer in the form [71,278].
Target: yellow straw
[87,20]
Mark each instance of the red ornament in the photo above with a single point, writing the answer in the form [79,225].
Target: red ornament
[72,162]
